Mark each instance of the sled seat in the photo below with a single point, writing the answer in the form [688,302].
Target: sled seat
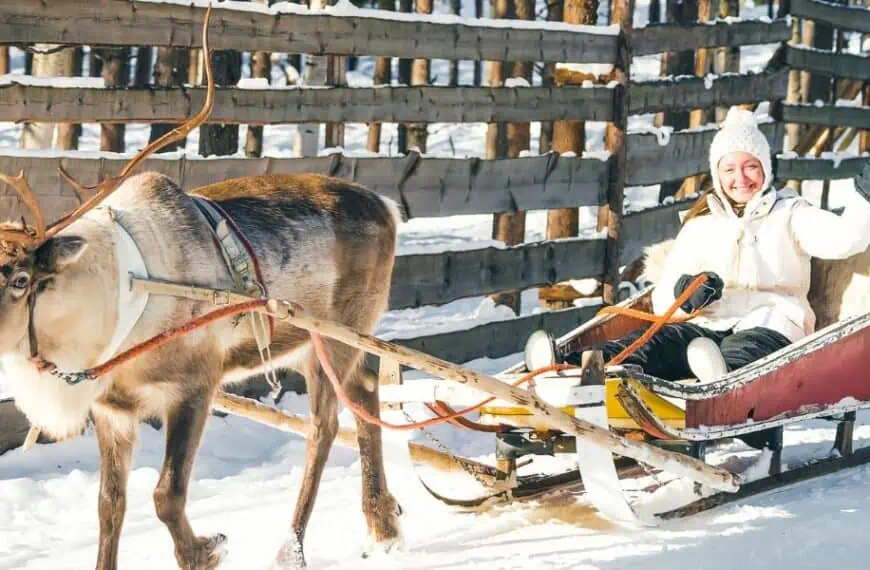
[619,419]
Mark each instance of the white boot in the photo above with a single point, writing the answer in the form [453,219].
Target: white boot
[705,360]
[540,350]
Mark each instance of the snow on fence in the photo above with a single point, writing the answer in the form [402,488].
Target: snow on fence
[431,187]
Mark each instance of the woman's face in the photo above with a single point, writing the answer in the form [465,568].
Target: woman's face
[741,176]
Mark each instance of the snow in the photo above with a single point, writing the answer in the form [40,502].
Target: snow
[344,8]
[60,82]
[247,476]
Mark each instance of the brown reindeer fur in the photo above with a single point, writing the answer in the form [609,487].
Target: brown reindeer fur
[838,288]
[322,242]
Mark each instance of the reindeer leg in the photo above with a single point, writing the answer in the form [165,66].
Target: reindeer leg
[115,437]
[184,425]
[379,507]
[324,426]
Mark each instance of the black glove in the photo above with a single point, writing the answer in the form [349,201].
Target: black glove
[862,183]
[710,291]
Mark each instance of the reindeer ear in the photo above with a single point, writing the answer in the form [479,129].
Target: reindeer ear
[60,252]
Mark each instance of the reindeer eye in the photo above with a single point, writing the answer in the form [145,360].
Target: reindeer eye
[21,281]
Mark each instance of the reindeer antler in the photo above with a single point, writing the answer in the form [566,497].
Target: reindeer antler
[19,183]
[104,189]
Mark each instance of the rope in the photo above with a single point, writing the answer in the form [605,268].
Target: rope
[441,409]
[363,414]
[156,341]
[659,322]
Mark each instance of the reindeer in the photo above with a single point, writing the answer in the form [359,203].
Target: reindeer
[323,242]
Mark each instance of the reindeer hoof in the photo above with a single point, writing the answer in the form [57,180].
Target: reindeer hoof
[208,553]
[383,546]
[290,555]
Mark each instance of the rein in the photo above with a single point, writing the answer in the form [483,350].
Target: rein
[282,310]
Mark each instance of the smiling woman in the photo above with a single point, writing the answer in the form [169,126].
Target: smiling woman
[753,243]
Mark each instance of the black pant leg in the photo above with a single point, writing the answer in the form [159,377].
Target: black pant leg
[743,347]
[664,355]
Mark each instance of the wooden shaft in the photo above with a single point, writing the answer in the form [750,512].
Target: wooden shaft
[676,463]
[273,417]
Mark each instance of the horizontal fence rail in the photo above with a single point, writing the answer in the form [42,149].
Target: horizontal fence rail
[438,278]
[386,104]
[827,115]
[256,28]
[497,339]
[659,38]
[687,92]
[373,33]
[819,168]
[841,65]
[837,15]
[439,104]
[427,187]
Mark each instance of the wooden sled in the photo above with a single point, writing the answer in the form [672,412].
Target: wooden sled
[822,376]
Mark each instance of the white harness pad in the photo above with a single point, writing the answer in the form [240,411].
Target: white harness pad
[131,304]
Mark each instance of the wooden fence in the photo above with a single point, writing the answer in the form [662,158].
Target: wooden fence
[434,187]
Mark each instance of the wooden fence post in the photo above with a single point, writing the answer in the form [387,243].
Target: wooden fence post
[555,9]
[336,74]
[478,65]
[864,140]
[417,132]
[261,68]
[4,60]
[170,70]
[698,117]
[793,95]
[727,58]
[568,136]
[115,71]
[623,16]
[51,63]
[307,140]
[221,139]
[453,64]
[677,63]
[383,76]
[142,72]
[513,138]
[404,70]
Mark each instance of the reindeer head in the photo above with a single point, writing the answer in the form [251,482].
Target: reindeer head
[32,256]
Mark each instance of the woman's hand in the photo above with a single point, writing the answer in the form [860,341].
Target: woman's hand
[710,291]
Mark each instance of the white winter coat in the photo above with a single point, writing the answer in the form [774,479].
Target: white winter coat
[763,257]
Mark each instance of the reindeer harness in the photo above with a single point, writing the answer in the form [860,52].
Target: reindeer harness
[135,286]
[130,303]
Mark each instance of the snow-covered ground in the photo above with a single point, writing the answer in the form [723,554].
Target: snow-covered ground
[247,476]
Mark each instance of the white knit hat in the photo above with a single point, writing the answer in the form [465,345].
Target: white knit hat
[740,132]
